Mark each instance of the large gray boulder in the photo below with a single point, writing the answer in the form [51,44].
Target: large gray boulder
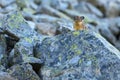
[15,26]
[78,55]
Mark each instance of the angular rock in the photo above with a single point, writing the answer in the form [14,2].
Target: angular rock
[94,10]
[23,53]
[14,25]
[45,18]
[46,29]
[80,55]
[23,72]
[4,3]
[51,11]
[113,8]
[3,47]
[6,76]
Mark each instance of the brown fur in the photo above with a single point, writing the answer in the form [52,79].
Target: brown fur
[78,23]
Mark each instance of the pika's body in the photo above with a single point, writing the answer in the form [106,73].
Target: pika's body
[78,23]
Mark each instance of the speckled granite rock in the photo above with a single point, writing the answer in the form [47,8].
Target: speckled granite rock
[3,55]
[14,25]
[23,72]
[23,53]
[78,55]
[6,76]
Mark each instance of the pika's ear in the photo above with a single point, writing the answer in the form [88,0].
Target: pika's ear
[82,17]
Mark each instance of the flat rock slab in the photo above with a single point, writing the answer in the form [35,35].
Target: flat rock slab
[78,55]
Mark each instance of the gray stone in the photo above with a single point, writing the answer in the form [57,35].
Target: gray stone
[23,72]
[14,25]
[3,53]
[6,76]
[5,3]
[23,53]
[78,55]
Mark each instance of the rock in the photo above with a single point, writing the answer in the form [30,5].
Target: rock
[117,44]
[86,7]
[17,28]
[21,4]
[89,18]
[3,47]
[64,26]
[59,26]
[23,72]
[10,8]
[94,10]
[80,7]
[114,27]
[64,4]
[51,11]
[2,68]
[31,24]
[46,29]
[109,8]
[6,76]
[23,52]
[104,30]
[45,18]
[4,3]
[29,11]
[28,16]
[37,2]
[78,55]
[51,25]
[113,9]
[109,29]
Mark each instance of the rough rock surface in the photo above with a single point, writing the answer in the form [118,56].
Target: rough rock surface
[23,52]
[3,47]
[14,25]
[78,55]
[23,72]
[5,76]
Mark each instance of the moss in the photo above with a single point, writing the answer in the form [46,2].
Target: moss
[97,35]
[74,46]
[76,33]
[56,72]
[60,58]
[15,20]
[78,52]
[93,59]
[80,61]
[69,57]
[28,40]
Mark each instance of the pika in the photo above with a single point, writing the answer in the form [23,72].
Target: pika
[78,23]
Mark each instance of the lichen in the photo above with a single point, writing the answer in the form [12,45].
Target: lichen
[76,33]
[74,46]
[15,20]
[80,61]
[28,40]
[60,58]
[78,52]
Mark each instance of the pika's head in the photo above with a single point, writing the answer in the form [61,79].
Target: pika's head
[78,18]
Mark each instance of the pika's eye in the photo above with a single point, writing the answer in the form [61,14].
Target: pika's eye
[82,17]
